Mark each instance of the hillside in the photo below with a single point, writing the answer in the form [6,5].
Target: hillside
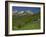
[26,22]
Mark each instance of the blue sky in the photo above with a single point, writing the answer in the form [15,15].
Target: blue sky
[33,9]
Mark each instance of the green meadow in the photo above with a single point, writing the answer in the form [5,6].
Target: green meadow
[26,22]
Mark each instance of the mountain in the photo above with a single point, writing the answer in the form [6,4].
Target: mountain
[23,12]
[29,12]
[20,12]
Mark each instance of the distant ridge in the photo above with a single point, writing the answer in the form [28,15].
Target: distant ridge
[22,12]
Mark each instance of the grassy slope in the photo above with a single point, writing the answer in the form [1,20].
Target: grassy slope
[25,22]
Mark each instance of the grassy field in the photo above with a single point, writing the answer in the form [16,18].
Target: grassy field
[27,22]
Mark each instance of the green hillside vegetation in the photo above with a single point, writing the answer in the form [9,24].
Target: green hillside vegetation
[27,22]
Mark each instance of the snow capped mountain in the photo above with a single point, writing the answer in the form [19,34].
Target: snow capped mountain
[22,12]
[29,12]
